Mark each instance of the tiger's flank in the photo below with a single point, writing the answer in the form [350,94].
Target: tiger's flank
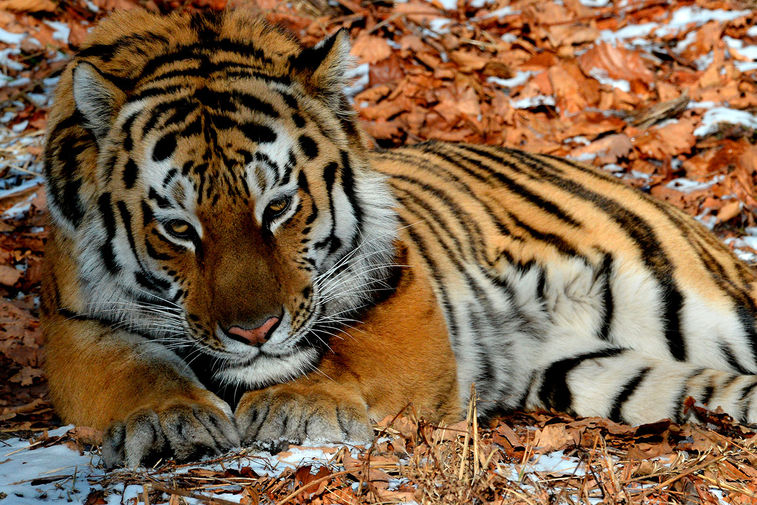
[228,263]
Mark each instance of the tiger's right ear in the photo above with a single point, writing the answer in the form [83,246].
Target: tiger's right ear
[97,99]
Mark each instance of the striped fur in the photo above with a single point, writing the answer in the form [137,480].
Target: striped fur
[205,171]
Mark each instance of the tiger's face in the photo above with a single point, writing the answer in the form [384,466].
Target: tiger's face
[235,215]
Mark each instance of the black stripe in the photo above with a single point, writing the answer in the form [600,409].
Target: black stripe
[257,132]
[731,358]
[709,390]
[549,238]
[554,392]
[625,393]
[308,146]
[153,253]
[164,147]
[605,273]
[535,199]
[109,221]
[143,277]
[130,173]
[348,185]
[163,203]
[329,177]
[747,397]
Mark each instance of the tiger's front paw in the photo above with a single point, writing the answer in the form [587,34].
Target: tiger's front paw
[291,413]
[182,432]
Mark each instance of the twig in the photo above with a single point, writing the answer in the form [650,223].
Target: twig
[197,496]
[310,484]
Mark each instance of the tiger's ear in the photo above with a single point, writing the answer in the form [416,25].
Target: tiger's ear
[96,98]
[323,67]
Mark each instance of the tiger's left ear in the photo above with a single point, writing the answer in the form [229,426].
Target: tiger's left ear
[323,67]
[97,99]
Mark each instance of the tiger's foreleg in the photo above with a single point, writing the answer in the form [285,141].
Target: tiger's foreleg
[625,385]
[146,398]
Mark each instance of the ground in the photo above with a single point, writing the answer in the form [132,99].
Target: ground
[662,94]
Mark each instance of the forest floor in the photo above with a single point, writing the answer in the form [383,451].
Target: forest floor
[663,94]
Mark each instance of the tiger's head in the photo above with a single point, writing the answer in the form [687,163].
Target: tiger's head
[208,171]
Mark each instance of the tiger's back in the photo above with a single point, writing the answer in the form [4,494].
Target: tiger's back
[538,259]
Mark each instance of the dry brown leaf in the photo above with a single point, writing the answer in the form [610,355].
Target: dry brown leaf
[568,91]
[28,5]
[417,11]
[729,211]
[608,149]
[617,61]
[26,376]
[9,275]
[555,437]
[371,49]
[668,140]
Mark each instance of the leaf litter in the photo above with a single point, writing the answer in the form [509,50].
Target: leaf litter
[661,94]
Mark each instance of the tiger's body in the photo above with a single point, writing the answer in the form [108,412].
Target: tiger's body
[218,227]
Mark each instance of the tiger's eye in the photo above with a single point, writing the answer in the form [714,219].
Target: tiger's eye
[178,228]
[278,206]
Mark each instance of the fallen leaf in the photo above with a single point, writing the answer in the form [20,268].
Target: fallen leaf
[28,5]
[9,275]
[371,49]
[617,61]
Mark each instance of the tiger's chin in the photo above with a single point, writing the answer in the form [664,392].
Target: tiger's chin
[267,369]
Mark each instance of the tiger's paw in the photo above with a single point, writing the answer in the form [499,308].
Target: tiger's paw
[292,414]
[182,432]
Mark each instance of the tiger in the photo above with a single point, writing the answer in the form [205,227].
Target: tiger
[230,263]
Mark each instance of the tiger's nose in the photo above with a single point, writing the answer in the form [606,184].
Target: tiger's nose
[254,336]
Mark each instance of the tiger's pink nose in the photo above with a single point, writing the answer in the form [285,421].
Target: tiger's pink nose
[255,336]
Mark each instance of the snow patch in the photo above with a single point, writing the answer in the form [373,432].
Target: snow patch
[713,117]
[61,30]
[11,38]
[20,465]
[359,78]
[601,75]
[595,3]
[499,13]
[450,5]
[688,186]
[517,80]
[527,103]
[688,15]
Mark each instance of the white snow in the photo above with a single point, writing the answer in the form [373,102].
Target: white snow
[5,61]
[499,13]
[527,103]
[681,19]
[449,5]
[745,51]
[557,462]
[11,38]
[595,3]
[19,465]
[439,25]
[513,82]
[359,78]
[61,30]
[600,74]
[627,32]
[477,4]
[688,186]
[713,117]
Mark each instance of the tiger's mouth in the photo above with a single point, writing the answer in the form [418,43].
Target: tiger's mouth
[283,341]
